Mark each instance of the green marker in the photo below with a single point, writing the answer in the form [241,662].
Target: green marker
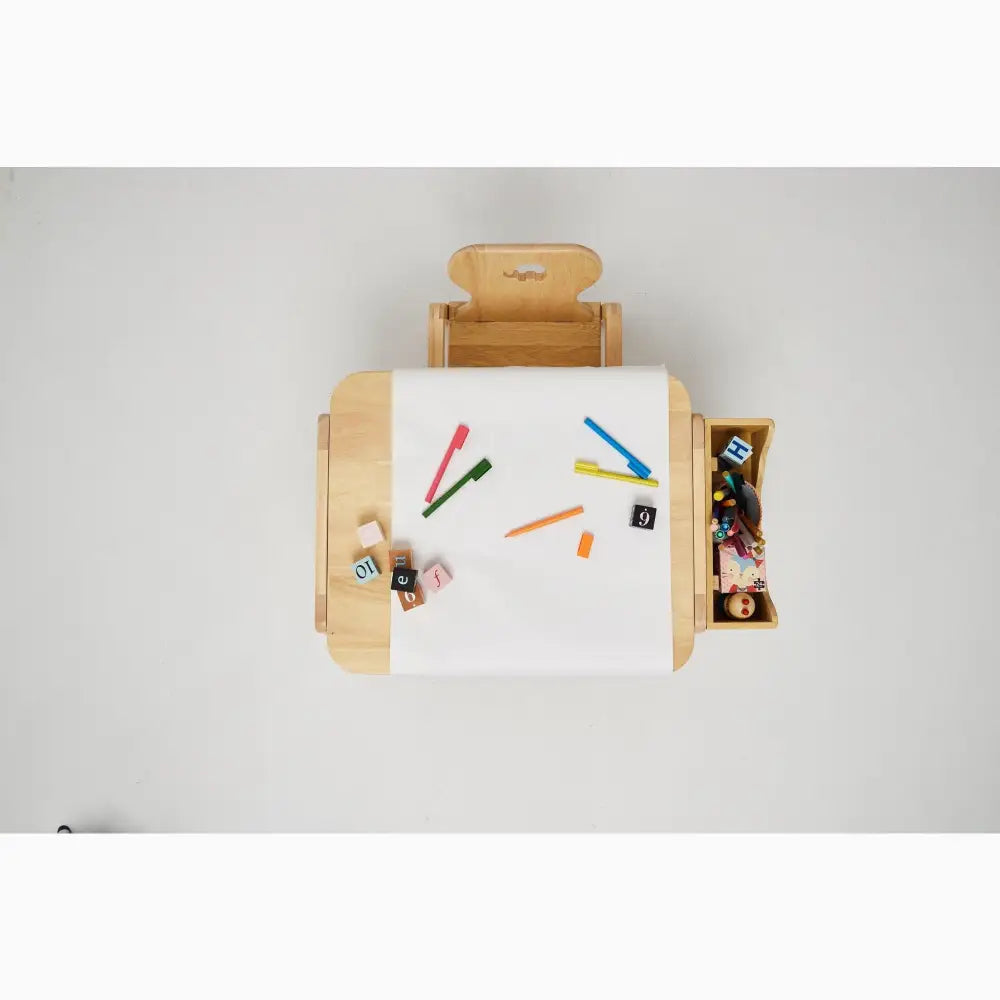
[476,472]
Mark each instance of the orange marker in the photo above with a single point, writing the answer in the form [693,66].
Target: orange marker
[544,521]
[583,549]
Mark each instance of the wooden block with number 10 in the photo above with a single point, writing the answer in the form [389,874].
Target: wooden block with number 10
[365,570]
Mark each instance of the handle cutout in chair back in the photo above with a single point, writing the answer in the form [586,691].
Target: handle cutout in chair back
[525,272]
[530,281]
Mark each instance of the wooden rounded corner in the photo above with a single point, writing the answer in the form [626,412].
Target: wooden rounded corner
[350,381]
[680,398]
[332,650]
[683,654]
[355,660]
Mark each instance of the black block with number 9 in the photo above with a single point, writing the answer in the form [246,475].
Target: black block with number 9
[404,578]
[643,517]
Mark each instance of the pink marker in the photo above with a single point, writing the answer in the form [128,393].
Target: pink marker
[456,443]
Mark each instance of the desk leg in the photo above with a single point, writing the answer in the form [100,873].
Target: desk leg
[435,335]
[700,522]
[611,312]
[322,493]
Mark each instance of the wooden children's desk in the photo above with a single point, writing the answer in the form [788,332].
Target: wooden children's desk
[523,312]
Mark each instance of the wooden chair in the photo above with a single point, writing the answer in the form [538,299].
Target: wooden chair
[524,310]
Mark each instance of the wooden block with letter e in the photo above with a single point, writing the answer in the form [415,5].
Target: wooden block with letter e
[403,578]
[365,570]
[403,559]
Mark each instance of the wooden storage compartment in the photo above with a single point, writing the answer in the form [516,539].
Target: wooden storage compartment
[757,431]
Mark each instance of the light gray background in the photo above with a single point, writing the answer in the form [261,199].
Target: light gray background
[166,342]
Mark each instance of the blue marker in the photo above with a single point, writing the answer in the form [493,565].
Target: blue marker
[642,471]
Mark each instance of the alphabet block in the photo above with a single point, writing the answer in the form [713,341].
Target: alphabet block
[736,452]
[643,517]
[435,579]
[411,599]
[403,578]
[365,570]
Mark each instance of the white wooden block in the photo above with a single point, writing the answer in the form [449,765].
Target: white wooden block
[737,451]
[370,534]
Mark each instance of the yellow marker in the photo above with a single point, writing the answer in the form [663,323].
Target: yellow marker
[591,469]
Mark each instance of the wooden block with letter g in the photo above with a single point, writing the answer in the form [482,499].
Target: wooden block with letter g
[411,599]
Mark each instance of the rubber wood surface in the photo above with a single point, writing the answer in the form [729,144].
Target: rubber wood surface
[360,489]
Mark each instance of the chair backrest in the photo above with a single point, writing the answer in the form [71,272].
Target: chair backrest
[524,310]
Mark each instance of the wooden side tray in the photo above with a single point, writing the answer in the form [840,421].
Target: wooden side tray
[709,437]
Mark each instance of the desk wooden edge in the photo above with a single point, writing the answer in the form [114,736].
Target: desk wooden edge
[360,437]
[363,400]
[322,495]
[700,520]
[681,522]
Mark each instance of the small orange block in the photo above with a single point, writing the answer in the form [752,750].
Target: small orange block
[411,599]
[583,549]
[400,557]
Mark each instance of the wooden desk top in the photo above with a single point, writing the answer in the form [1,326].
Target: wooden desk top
[356,471]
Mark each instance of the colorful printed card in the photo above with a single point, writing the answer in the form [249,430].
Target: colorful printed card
[739,575]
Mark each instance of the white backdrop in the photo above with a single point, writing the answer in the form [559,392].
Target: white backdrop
[166,342]
[529,604]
